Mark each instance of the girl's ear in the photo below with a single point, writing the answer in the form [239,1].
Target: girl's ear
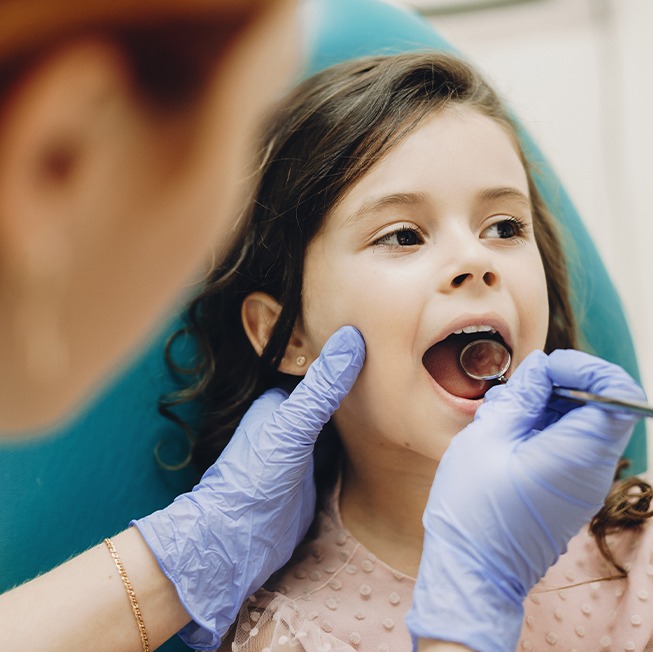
[259,313]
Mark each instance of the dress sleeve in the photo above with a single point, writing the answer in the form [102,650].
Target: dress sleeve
[271,622]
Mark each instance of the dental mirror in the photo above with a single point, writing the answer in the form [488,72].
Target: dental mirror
[486,359]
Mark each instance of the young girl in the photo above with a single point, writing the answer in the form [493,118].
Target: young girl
[393,195]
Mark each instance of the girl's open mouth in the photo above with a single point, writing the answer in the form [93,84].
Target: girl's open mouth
[442,361]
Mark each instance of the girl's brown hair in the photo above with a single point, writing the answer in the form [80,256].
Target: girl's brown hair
[327,134]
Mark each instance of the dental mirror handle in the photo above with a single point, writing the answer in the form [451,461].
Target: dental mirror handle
[614,404]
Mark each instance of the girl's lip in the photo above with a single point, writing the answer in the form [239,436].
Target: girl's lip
[464,405]
[488,319]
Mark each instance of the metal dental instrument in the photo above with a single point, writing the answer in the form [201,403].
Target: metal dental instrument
[487,359]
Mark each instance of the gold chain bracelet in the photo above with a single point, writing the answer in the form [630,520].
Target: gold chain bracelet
[130,594]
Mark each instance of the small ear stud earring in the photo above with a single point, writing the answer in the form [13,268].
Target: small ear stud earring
[300,361]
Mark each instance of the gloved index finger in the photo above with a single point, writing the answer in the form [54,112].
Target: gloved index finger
[578,370]
[327,381]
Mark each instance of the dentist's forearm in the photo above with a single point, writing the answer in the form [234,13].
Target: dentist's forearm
[83,605]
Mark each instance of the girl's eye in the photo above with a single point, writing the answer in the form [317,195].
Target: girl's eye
[511,227]
[406,236]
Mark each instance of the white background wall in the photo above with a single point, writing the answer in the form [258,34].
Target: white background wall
[579,73]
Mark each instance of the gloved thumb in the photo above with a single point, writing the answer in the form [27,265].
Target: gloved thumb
[327,381]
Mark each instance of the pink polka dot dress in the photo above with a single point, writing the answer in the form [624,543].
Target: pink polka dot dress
[336,596]
[575,608]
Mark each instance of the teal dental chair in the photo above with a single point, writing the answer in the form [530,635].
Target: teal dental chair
[61,494]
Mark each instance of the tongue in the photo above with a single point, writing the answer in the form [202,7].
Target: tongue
[442,361]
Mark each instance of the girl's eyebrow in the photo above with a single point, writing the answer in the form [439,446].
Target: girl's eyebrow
[376,204]
[504,192]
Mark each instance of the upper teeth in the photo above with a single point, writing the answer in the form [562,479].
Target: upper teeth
[481,328]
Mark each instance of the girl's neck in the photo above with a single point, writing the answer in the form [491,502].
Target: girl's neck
[382,502]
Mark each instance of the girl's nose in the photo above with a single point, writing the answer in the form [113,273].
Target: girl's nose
[488,277]
[468,263]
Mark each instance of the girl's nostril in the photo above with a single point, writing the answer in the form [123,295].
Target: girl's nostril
[459,280]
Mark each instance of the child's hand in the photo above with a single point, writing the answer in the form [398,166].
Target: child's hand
[510,492]
[221,542]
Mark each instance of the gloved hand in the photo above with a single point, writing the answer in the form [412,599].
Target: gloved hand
[511,490]
[221,542]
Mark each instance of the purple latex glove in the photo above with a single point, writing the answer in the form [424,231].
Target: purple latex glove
[221,542]
[511,490]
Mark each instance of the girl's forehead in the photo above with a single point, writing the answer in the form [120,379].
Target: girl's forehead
[458,150]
